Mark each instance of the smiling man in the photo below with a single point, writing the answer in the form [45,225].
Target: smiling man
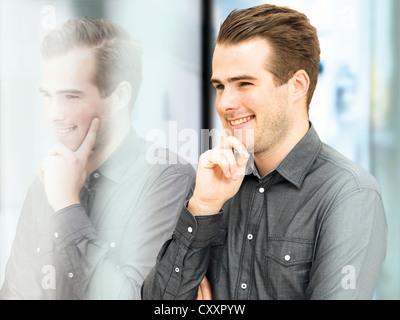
[93,223]
[275,213]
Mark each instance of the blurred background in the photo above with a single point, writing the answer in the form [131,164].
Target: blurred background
[356,107]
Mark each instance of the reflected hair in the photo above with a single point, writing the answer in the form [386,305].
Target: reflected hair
[293,40]
[118,57]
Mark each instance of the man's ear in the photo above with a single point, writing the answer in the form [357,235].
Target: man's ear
[122,95]
[301,84]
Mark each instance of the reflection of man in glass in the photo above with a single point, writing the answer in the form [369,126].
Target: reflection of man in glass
[293,220]
[92,226]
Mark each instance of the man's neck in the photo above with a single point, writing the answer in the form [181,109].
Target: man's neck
[268,161]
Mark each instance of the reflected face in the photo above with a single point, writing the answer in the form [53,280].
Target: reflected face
[247,99]
[71,98]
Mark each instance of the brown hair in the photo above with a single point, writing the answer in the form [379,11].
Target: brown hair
[118,58]
[293,40]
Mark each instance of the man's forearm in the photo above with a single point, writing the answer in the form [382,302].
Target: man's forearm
[183,261]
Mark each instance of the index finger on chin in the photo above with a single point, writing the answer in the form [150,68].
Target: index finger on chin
[88,143]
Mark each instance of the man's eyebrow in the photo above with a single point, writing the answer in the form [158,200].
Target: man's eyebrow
[66,91]
[235,79]
[70,91]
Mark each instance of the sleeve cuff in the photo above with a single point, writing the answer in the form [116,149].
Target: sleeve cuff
[70,224]
[197,231]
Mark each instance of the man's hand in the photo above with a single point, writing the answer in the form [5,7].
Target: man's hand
[204,292]
[219,176]
[63,171]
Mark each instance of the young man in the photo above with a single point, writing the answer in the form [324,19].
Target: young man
[287,217]
[92,225]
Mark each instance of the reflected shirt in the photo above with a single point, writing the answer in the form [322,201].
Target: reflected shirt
[313,228]
[104,247]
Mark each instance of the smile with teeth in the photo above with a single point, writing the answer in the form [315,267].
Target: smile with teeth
[66,130]
[236,123]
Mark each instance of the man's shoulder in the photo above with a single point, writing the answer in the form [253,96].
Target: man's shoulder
[336,166]
[154,160]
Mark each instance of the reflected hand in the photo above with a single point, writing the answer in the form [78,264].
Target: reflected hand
[63,172]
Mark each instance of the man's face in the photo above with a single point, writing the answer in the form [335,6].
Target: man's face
[71,98]
[247,99]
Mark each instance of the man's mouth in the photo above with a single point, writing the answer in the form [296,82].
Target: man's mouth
[238,122]
[65,130]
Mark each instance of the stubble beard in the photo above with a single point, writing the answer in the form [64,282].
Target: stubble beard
[272,132]
[103,137]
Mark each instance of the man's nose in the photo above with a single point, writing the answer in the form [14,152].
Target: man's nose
[54,110]
[228,100]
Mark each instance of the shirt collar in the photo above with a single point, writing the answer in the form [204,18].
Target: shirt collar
[116,166]
[297,163]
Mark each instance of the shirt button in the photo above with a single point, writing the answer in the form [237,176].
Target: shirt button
[56,235]
[112,245]
[250,237]
[177,270]
[190,229]
[261,190]
[287,258]
[70,275]
[96,175]
[38,249]
[244,286]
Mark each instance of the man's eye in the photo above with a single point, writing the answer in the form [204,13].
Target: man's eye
[219,87]
[244,84]
[71,97]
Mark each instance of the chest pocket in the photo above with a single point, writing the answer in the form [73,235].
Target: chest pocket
[287,267]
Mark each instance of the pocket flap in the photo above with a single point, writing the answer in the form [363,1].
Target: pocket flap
[290,252]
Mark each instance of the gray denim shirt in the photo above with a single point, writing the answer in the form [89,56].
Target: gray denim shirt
[313,228]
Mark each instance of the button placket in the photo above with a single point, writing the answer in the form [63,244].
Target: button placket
[245,282]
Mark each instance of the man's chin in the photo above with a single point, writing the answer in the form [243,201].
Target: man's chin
[246,138]
[73,146]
